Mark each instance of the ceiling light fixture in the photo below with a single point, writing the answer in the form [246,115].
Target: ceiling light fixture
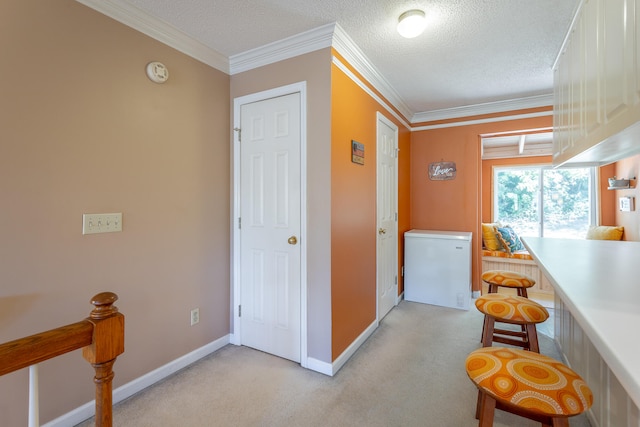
[412,23]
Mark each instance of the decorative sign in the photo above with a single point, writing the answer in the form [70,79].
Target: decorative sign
[357,152]
[442,171]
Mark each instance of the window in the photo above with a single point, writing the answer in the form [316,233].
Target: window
[539,201]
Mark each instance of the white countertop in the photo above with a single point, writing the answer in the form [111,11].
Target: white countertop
[599,282]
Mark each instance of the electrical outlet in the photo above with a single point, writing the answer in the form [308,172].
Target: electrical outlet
[195,316]
[101,223]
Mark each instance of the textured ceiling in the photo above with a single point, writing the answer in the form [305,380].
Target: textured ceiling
[473,51]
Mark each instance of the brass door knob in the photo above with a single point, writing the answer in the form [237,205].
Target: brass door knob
[292,240]
[382,231]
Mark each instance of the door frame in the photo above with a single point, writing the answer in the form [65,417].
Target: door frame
[300,87]
[382,118]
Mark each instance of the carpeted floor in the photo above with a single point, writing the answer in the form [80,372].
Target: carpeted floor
[410,372]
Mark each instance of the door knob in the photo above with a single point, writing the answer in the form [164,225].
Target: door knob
[382,231]
[292,240]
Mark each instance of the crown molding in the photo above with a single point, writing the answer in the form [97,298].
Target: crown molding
[329,35]
[290,47]
[157,29]
[345,46]
[486,120]
[486,108]
[345,69]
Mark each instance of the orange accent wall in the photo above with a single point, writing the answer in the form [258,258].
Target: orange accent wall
[455,205]
[608,200]
[353,208]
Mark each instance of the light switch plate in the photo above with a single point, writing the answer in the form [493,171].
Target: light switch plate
[101,223]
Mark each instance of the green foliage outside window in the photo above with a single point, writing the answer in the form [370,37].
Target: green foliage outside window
[541,201]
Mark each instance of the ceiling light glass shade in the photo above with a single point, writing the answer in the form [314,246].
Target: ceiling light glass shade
[411,23]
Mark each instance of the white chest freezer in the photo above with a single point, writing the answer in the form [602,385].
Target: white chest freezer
[437,267]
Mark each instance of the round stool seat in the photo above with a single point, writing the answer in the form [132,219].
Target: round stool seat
[512,309]
[507,279]
[529,382]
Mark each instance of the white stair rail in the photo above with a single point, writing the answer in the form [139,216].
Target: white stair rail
[34,404]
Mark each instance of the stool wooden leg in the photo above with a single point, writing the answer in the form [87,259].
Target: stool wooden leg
[491,289]
[522,292]
[532,338]
[487,331]
[487,409]
[560,422]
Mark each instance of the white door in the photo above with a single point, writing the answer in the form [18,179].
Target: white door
[387,244]
[270,224]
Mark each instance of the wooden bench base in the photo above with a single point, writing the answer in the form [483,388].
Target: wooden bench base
[522,266]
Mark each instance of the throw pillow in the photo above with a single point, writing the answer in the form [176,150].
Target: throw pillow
[509,239]
[491,242]
[605,232]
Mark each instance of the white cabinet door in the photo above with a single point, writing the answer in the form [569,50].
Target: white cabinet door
[618,61]
[592,70]
[576,56]
[597,84]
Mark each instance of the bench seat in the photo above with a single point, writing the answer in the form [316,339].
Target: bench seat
[519,262]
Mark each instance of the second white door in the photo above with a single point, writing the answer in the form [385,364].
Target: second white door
[387,217]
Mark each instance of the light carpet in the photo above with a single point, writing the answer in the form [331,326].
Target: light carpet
[410,372]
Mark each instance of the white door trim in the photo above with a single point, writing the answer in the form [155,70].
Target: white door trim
[382,118]
[300,87]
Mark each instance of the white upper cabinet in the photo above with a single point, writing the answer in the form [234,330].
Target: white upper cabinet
[597,85]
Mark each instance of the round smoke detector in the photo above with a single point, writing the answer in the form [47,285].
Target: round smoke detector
[157,72]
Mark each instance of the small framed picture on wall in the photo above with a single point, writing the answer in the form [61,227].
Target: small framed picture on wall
[357,152]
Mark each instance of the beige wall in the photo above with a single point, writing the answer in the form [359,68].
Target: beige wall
[83,130]
[315,69]
[624,169]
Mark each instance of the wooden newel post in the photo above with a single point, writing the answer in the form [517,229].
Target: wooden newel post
[106,346]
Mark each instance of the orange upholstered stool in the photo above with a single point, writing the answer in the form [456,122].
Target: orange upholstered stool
[514,310]
[527,384]
[507,279]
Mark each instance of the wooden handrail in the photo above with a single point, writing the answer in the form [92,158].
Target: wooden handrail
[101,337]
[37,348]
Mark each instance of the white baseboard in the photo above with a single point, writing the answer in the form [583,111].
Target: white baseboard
[87,410]
[319,366]
[125,391]
[332,368]
[475,294]
[342,359]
